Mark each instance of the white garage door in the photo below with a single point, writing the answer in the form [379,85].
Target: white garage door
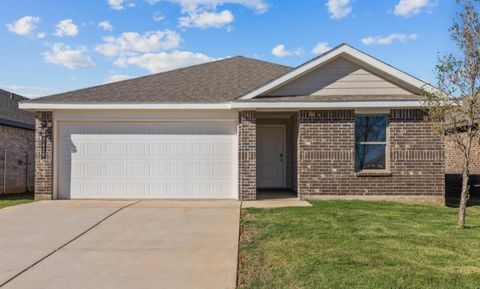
[147,160]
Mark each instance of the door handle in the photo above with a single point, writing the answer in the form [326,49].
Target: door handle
[281,157]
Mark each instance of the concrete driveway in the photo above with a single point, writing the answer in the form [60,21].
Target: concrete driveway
[119,244]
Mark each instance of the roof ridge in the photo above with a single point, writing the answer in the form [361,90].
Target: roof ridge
[5,92]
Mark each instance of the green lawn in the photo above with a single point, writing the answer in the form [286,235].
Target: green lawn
[357,244]
[15,199]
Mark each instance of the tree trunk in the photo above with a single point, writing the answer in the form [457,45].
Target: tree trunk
[464,196]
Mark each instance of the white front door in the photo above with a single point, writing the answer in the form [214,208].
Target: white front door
[148,160]
[271,156]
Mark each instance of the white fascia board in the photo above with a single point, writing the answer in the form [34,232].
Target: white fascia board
[231,105]
[349,52]
[98,106]
[329,105]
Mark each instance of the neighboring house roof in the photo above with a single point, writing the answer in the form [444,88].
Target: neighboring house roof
[213,82]
[241,82]
[11,115]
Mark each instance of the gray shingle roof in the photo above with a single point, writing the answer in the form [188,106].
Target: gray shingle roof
[217,81]
[11,115]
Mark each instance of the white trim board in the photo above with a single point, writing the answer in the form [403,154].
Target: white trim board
[330,105]
[348,52]
[53,106]
[228,106]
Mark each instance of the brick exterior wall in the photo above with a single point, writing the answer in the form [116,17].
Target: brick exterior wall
[453,167]
[19,170]
[247,154]
[43,166]
[326,152]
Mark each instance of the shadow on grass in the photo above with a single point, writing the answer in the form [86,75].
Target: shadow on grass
[17,196]
[453,188]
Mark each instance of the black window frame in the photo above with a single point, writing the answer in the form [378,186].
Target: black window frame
[366,143]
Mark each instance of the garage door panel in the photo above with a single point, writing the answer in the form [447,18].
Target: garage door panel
[155,160]
[115,169]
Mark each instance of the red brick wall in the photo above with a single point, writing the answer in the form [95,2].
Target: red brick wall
[43,166]
[326,151]
[247,154]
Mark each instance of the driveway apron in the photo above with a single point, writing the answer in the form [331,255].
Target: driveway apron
[148,244]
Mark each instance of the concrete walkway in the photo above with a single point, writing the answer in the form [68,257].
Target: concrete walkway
[119,244]
[275,199]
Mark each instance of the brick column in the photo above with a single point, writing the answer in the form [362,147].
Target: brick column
[247,155]
[43,156]
[325,151]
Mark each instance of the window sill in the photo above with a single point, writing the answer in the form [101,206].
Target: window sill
[373,174]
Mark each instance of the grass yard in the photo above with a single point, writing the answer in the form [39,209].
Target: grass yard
[15,199]
[359,244]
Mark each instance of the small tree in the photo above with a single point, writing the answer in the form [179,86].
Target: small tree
[457,118]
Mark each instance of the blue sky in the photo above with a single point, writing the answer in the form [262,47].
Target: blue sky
[51,46]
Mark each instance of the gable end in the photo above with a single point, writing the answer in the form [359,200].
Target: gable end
[343,77]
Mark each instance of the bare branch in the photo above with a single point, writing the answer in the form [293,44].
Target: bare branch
[455,111]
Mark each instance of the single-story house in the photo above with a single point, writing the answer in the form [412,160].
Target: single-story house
[17,145]
[342,124]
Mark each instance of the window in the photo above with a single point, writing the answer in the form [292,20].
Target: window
[370,142]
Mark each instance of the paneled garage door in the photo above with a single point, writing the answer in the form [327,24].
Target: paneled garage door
[147,160]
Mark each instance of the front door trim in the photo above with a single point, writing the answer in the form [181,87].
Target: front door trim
[284,163]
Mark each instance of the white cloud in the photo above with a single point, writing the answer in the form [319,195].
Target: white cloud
[64,55]
[152,2]
[157,16]
[207,19]
[259,6]
[41,35]
[117,77]
[28,91]
[129,43]
[116,4]
[106,25]
[407,8]
[24,26]
[66,28]
[339,9]
[387,40]
[163,61]
[203,13]
[280,51]
[320,48]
